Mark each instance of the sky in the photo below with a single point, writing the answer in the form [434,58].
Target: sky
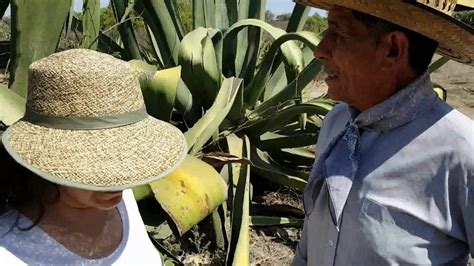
[275,6]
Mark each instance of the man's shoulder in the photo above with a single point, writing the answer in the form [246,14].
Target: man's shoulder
[451,131]
[453,124]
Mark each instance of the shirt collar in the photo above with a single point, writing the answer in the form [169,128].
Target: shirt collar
[399,109]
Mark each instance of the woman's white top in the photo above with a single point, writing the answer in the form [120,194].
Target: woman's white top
[35,247]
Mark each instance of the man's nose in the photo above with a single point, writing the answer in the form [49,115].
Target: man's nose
[323,49]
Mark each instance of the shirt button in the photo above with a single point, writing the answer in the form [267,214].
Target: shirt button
[331,243]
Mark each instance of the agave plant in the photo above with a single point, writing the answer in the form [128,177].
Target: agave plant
[237,104]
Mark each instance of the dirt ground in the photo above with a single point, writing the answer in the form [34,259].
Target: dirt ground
[458,80]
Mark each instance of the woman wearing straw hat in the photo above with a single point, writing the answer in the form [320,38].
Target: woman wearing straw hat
[393,181]
[84,139]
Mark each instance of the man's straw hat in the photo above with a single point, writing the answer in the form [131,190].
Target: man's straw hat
[432,18]
[86,125]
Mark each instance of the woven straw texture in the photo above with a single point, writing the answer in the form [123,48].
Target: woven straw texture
[455,39]
[76,82]
[115,157]
[86,84]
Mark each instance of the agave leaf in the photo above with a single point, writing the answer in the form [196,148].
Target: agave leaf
[160,94]
[200,68]
[157,17]
[199,14]
[269,141]
[292,90]
[128,9]
[298,17]
[266,168]
[154,46]
[437,64]
[190,193]
[279,119]
[13,106]
[293,156]
[276,210]
[291,52]
[34,37]
[238,251]
[440,91]
[256,220]
[276,83]
[91,23]
[294,129]
[202,131]
[159,88]
[174,12]
[248,41]
[70,16]
[222,20]
[142,192]
[232,11]
[126,31]
[258,84]
[141,66]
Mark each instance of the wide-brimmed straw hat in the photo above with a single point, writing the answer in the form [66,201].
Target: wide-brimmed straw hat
[86,125]
[431,18]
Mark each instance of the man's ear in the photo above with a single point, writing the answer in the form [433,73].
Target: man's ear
[396,52]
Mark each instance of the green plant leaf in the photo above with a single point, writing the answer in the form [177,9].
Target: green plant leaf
[266,168]
[91,23]
[203,130]
[256,87]
[125,29]
[200,68]
[437,64]
[276,120]
[292,90]
[157,17]
[293,156]
[238,251]
[128,10]
[290,50]
[274,221]
[33,36]
[298,18]
[269,141]
[159,88]
[13,106]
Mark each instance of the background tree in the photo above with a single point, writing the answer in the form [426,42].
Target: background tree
[316,23]
[285,16]
[466,17]
[269,16]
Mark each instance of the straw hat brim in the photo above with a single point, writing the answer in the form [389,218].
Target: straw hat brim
[100,160]
[456,39]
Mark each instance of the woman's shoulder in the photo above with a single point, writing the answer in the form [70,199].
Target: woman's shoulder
[8,220]
[16,245]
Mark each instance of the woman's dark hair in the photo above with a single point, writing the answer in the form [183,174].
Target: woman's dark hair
[421,48]
[19,188]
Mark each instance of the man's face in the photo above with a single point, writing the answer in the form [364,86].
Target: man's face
[350,56]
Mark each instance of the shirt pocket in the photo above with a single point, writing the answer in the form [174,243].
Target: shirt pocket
[392,222]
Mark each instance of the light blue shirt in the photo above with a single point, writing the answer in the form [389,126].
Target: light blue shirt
[398,190]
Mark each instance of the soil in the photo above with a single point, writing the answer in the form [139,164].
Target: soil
[458,80]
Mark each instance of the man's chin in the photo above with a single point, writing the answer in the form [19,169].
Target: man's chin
[333,94]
